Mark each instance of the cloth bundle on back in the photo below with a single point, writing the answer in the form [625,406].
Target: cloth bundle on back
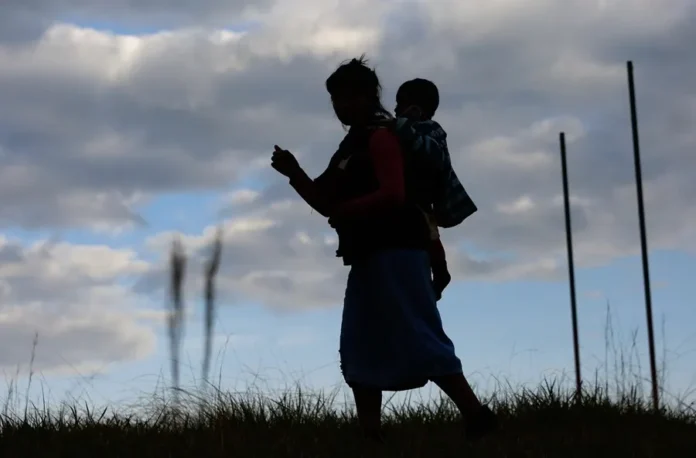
[427,142]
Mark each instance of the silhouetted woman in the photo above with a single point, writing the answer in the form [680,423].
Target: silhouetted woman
[391,333]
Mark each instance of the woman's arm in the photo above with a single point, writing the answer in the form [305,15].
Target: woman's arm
[317,192]
[387,160]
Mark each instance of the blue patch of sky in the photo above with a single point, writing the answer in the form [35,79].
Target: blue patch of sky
[185,212]
[188,213]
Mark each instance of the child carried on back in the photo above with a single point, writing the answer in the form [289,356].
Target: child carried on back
[416,103]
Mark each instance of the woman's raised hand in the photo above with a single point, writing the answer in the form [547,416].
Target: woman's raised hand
[284,162]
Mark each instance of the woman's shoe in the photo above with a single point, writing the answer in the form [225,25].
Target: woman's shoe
[484,422]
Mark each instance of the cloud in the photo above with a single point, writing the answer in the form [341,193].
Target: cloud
[73,298]
[88,113]
[94,124]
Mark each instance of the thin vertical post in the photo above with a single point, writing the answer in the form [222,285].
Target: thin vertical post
[643,237]
[571,270]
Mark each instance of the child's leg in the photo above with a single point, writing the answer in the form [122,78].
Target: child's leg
[368,403]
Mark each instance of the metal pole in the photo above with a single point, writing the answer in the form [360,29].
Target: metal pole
[643,237]
[571,270]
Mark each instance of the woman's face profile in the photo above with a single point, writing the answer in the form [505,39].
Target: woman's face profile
[349,107]
[345,108]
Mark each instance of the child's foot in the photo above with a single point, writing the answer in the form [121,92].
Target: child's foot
[484,422]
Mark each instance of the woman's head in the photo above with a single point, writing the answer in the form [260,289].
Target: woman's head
[355,92]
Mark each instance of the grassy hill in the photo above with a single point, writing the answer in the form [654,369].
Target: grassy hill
[546,422]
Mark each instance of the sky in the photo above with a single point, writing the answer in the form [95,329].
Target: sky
[123,124]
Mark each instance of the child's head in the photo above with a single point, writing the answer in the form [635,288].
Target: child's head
[417,98]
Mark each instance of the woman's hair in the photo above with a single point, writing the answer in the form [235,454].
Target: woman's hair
[421,92]
[355,77]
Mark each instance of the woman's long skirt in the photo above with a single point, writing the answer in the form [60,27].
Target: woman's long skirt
[391,334]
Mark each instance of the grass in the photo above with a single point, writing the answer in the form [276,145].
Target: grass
[546,422]
[611,418]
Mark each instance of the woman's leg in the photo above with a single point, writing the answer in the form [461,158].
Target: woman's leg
[360,342]
[458,389]
[368,403]
[480,420]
